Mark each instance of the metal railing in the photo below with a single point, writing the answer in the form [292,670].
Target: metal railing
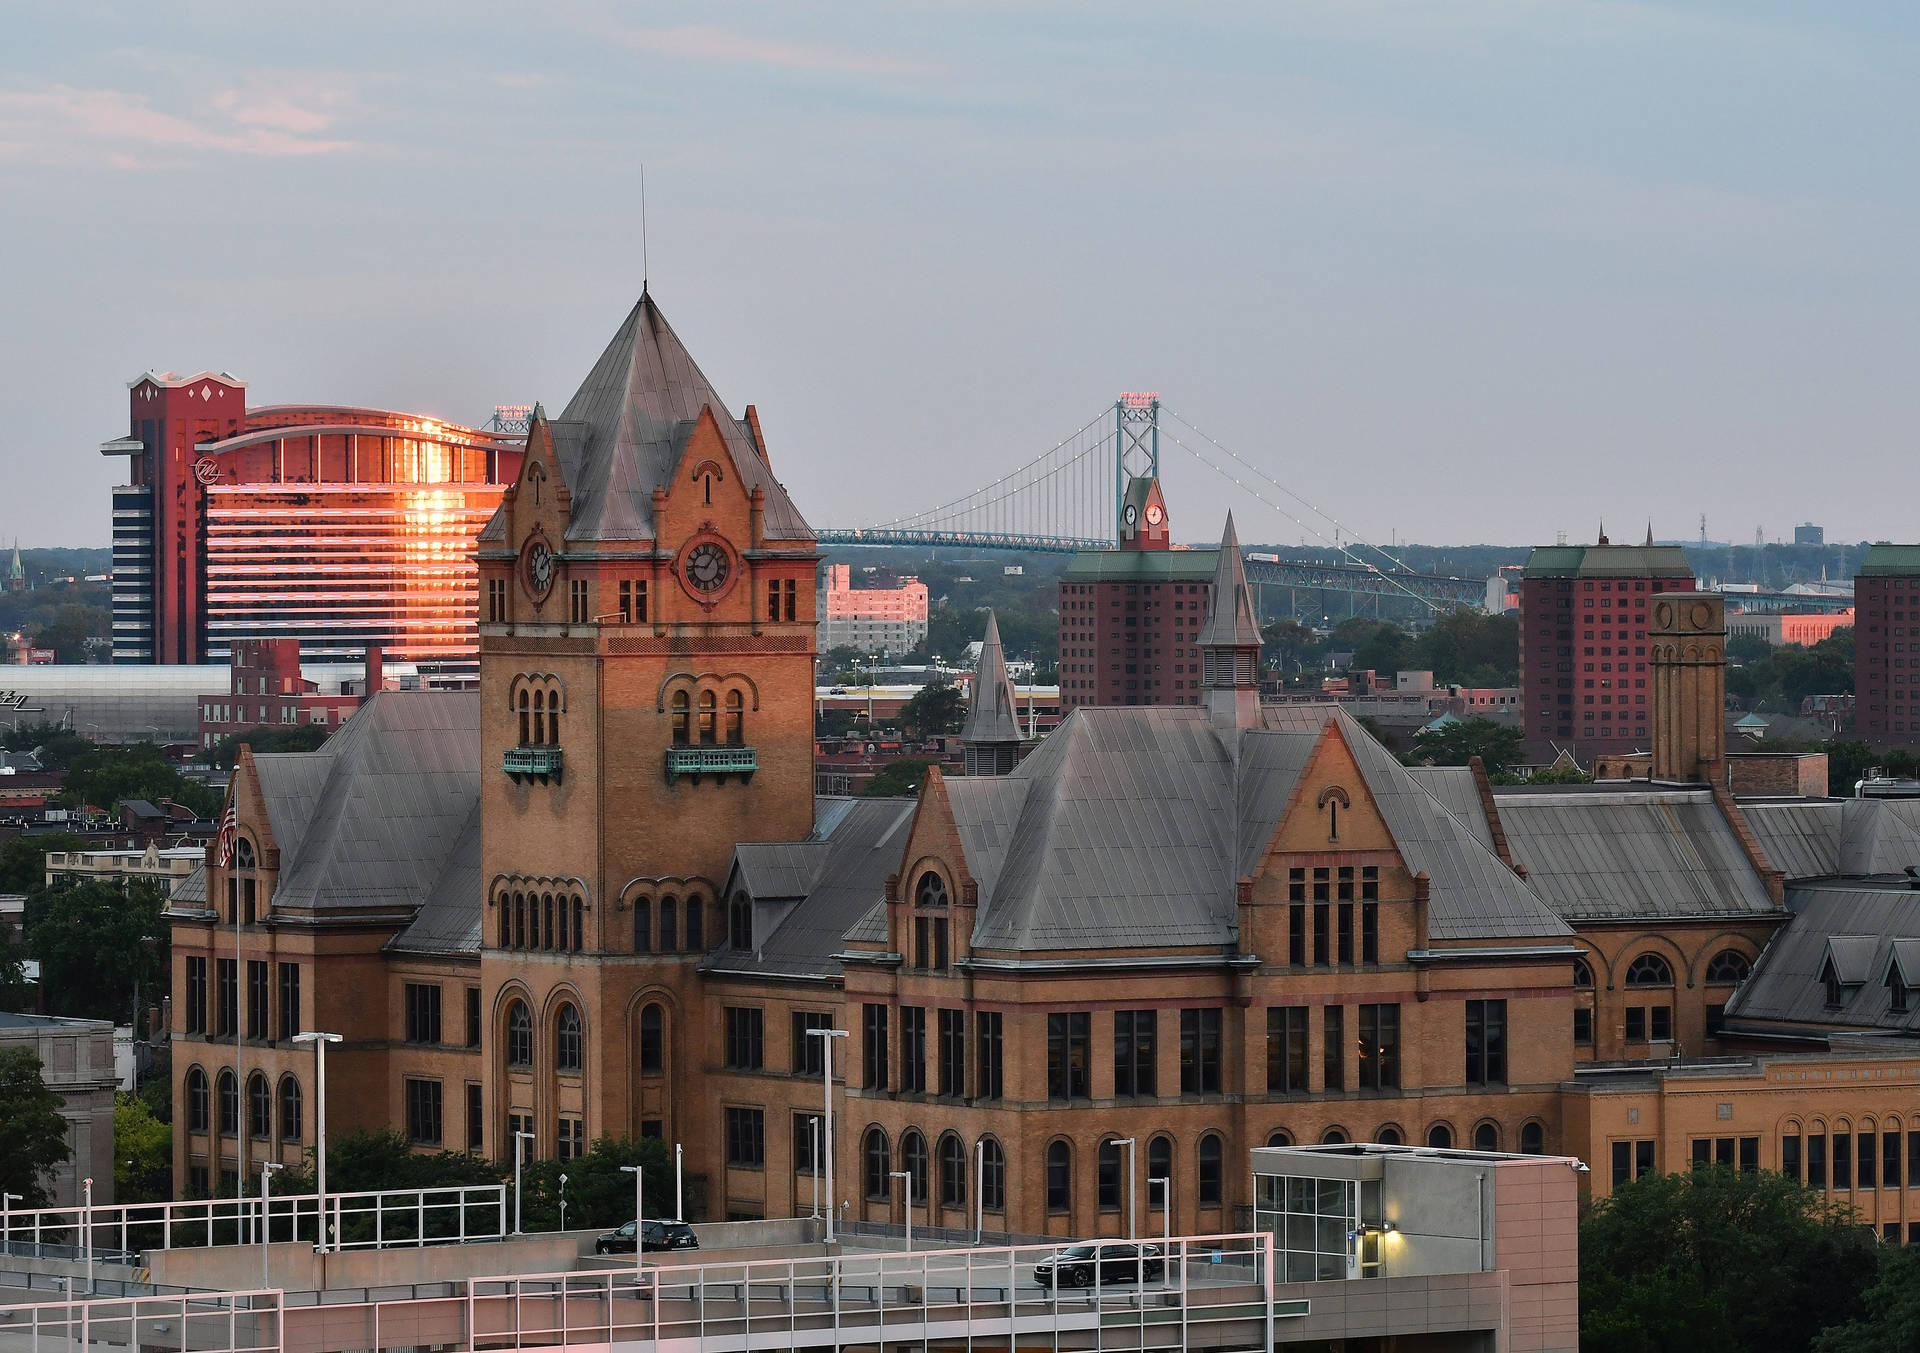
[711,761]
[225,1322]
[378,1219]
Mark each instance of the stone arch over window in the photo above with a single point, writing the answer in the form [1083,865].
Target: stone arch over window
[519,1041]
[1334,1136]
[290,1125]
[1533,1138]
[1649,970]
[914,1160]
[548,913]
[1440,1137]
[930,890]
[568,1039]
[1279,1137]
[1729,966]
[953,1171]
[1059,1176]
[1486,1135]
[1209,1161]
[876,1159]
[198,1107]
[993,1175]
[537,699]
[705,475]
[650,1024]
[1582,975]
[1389,1134]
[1331,801]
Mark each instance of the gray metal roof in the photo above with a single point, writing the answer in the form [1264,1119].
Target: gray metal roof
[1454,789]
[1612,855]
[192,888]
[448,922]
[780,869]
[1838,837]
[1862,926]
[1230,618]
[993,714]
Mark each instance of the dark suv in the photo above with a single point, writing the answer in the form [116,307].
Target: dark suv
[656,1236]
[1119,1262]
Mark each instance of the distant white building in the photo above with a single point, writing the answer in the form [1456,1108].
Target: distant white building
[871,619]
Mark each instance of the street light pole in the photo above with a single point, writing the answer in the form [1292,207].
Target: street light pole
[563,1203]
[267,1167]
[7,1200]
[813,1134]
[1166,1212]
[519,1155]
[1132,1231]
[639,1173]
[319,1041]
[826,1094]
[679,1207]
[89,1185]
[906,1192]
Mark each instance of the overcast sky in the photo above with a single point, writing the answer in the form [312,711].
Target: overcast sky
[1455,270]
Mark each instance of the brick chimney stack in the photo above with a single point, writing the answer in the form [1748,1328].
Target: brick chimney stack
[1687,653]
[376,669]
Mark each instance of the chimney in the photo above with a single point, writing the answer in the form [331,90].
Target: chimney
[376,669]
[1687,656]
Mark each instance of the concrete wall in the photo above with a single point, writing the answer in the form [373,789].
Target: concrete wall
[76,1062]
[294,1266]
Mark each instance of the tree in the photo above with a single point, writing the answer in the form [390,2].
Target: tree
[1288,641]
[105,776]
[96,944]
[1498,746]
[1891,1321]
[897,780]
[1850,761]
[599,1193]
[369,1160]
[14,989]
[934,709]
[1718,1260]
[56,747]
[1744,649]
[31,1126]
[69,629]
[304,737]
[23,859]
[142,1153]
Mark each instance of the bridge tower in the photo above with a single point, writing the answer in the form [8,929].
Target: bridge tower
[1136,447]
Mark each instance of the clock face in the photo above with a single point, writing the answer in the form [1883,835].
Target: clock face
[1130,513]
[707,567]
[1154,514]
[538,558]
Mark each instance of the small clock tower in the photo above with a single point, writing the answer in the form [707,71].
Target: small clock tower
[1143,516]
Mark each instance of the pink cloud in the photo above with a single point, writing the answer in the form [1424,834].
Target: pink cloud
[116,128]
[715,44]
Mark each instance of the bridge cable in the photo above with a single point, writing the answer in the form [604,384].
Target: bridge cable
[974,494]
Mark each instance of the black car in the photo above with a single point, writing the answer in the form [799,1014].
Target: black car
[1119,1262]
[655,1237]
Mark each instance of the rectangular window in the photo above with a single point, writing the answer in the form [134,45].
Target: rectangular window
[1133,1053]
[744,1034]
[570,1139]
[1889,1160]
[423,1012]
[1868,1158]
[196,1015]
[913,1050]
[1200,1051]
[1660,1023]
[423,1111]
[227,1007]
[1642,1159]
[577,592]
[1321,938]
[986,1025]
[1842,1161]
[873,1031]
[1622,1163]
[1287,1050]
[473,1017]
[746,1138]
[496,601]
[289,1000]
[809,1052]
[1583,1027]
[1816,1161]
[1297,934]
[1069,1059]
[953,1053]
[1380,1047]
[1486,1042]
[633,601]
[1346,929]
[476,1124]
[806,1136]
[1370,930]
[1636,1024]
[1333,1049]
[1790,1156]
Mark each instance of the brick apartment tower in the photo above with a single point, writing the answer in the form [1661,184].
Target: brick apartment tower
[1583,644]
[1130,617]
[646,675]
[1886,627]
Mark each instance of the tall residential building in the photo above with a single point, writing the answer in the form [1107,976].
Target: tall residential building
[340,527]
[1130,617]
[871,619]
[1886,631]
[1583,644]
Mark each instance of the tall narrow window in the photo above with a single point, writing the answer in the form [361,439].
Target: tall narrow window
[873,1026]
[913,1158]
[1200,1051]
[1210,1171]
[1333,1051]
[1380,1047]
[290,1126]
[1486,1042]
[196,1100]
[196,1014]
[289,1000]
[740,921]
[1069,1035]
[987,1071]
[1059,1177]
[736,725]
[913,1050]
[519,1035]
[709,733]
[642,925]
[682,707]
[652,1039]
[669,926]
[993,1176]
[259,1108]
[229,1104]
[696,925]
[1134,1052]
[1287,1050]
[566,1040]
[1106,1170]
[878,1162]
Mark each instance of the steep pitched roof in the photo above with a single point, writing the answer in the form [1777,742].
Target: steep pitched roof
[1864,929]
[1838,837]
[1230,618]
[993,714]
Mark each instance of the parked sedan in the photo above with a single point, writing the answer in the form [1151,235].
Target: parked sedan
[657,1236]
[1118,1262]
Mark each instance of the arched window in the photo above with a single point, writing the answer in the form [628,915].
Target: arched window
[931,891]
[879,1164]
[1649,970]
[1209,1172]
[740,922]
[1440,1137]
[1729,965]
[526,723]
[565,910]
[1059,1177]
[519,1035]
[682,719]
[669,924]
[506,921]
[196,1100]
[1533,1139]
[1279,1137]
[696,926]
[1160,1166]
[566,1040]
[1486,1137]
[1333,1137]
[953,1171]
[653,1022]
[229,1104]
[546,931]
[736,721]
[709,733]
[289,1109]
[1106,1176]
[913,1157]
[993,1176]
[642,926]
[1582,975]
[1388,1135]
[243,856]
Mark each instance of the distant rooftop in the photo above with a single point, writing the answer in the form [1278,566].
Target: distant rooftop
[1607,561]
[1890,560]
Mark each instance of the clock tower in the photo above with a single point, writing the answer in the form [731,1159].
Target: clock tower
[1143,516]
[646,673]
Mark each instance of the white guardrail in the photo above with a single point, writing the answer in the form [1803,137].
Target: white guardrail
[229,1322]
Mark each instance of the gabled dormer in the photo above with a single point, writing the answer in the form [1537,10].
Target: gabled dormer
[1845,967]
[528,536]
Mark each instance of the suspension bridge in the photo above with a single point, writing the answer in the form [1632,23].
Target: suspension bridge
[1069,498]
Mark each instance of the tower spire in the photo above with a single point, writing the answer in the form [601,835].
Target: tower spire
[991,737]
[1230,641]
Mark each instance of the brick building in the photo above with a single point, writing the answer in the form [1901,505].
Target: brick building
[1886,646]
[1583,642]
[266,688]
[871,619]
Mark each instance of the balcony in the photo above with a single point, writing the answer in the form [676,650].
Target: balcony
[698,761]
[531,762]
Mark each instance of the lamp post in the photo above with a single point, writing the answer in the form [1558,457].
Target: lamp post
[826,1094]
[813,1135]
[639,1173]
[7,1200]
[519,1155]
[89,1187]
[563,1202]
[267,1167]
[679,1208]
[1132,1232]
[1166,1214]
[906,1193]
[319,1041]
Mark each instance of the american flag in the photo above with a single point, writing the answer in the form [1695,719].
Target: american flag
[229,829]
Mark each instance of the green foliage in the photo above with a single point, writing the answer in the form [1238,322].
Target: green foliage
[1850,761]
[842,659]
[1498,746]
[599,1193]
[386,1159]
[1717,1260]
[95,944]
[1891,1321]
[302,737]
[1461,648]
[23,859]
[935,708]
[897,780]
[31,1126]
[1288,642]
[1559,775]
[15,993]
[1745,649]
[74,631]
[56,747]
[105,776]
[142,1153]
[1789,674]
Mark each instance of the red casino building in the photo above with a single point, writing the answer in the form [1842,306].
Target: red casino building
[342,528]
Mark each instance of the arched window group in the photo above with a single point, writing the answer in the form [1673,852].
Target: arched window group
[229,1104]
[708,718]
[1729,966]
[259,1108]
[545,920]
[262,1099]
[669,924]
[539,706]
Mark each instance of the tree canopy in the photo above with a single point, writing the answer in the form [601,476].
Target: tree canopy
[31,1126]
[23,859]
[302,737]
[897,780]
[56,747]
[1789,674]
[104,776]
[935,708]
[1890,1318]
[1498,746]
[142,1153]
[599,1193]
[95,944]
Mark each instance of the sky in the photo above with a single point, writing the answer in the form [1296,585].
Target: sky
[1474,271]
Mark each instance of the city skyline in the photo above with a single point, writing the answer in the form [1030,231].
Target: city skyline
[1388,255]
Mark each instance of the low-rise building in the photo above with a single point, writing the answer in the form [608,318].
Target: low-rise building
[77,1063]
[167,867]
[871,619]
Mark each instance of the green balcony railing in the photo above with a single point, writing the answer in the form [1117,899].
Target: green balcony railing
[541,761]
[740,761]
